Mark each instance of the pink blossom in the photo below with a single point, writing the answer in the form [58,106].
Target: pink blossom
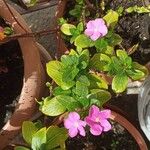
[74,124]
[96,29]
[97,120]
[1,29]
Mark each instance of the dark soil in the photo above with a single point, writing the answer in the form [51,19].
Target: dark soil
[134,28]
[11,77]
[116,139]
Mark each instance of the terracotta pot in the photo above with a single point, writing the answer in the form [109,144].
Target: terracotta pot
[33,81]
[131,129]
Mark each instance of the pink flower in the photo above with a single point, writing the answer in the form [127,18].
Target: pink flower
[97,120]
[1,29]
[96,29]
[74,124]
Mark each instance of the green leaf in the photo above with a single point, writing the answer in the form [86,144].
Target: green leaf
[97,82]
[76,12]
[114,39]
[142,68]
[68,102]
[32,3]
[138,9]
[80,27]
[56,137]
[65,28]
[28,130]
[84,80]
[84,59]
[135,74]
[100,62]
[61,21]
[137,71]
[83,41]
[60,91]
[111,18]
[84,101]
[21,148]
[69,73]
[53,70]
[109,50]
[101,44]
[116,66]
[102,95]
[52,107]
[69,60]
[122,54]
[69,69]
[81,89]
[39,139]
[8,31]
[119,83]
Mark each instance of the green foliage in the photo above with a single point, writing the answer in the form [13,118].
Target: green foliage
[137,9]
[83,41]
[42,138]
[8,31]
[32,3]
[21,148]
[79,9]
[56,137]
[52,106]
[28,130]
[66,28]
[97,82]
[99,97]
[119,67]
[120,82]
[111,18]
[100,62]
[122,67]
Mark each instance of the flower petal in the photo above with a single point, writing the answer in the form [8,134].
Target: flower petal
[90,25]
[73,116]
[82,123]
[103,30]
[89,121]
[73,132]
[95,36]
[106,125]
[88,32]
[96,129]
[94,111]
[81,130]
[105,113]
[67,123]
[99,21]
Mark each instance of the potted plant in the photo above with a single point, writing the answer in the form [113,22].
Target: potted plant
[79,90]
[33,79]
[76,102]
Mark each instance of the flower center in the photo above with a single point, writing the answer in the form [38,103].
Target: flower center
[97,120]
[76,124]
[96,29]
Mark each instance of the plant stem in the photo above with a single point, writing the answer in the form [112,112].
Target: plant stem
[32,34]
[83,18]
